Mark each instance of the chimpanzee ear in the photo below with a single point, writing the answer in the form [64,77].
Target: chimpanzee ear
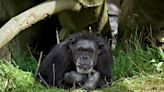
[101,47]
[71,42]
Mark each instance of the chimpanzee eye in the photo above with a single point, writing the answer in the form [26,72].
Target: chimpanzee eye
[85,49]
[80,49]
[90,50]
[72,40]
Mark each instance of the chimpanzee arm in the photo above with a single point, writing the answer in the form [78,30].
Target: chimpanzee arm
[88,81]
[93,79]
[60,57]
[74,77]
[104,67]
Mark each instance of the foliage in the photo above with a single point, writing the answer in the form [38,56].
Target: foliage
[26,63]
[158,63]
[135,59]
[140,83]
[12,78]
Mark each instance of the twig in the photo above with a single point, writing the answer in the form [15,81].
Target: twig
[57,36]
[106,82]
[38,65]
[5,61]
[53,66]
[90,29]
[74,85]
[43,80]
[29,50]
[6,84]
[14,63]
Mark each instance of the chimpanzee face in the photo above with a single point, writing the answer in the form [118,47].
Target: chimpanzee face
[85,53]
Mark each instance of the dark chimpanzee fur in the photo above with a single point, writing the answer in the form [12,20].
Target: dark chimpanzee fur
[82,58]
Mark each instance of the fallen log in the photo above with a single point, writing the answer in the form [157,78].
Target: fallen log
[24,20]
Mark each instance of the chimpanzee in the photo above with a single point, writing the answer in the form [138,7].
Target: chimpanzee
[83,58]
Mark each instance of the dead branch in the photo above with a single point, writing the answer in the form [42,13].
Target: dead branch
[33,15]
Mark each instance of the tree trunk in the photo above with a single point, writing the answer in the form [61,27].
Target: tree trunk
[143,17]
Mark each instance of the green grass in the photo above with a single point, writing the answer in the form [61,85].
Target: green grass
[136,60]
[140,83]
[26,63]
[13,79]
[133,57]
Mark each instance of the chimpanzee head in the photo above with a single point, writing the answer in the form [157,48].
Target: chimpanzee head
[85,50]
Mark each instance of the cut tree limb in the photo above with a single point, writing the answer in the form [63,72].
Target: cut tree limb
[24,20]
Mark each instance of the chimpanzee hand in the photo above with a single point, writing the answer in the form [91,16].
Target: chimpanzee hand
[92,80]
[74,77]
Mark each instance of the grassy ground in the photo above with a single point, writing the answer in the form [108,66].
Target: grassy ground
[135,70]
[21,81]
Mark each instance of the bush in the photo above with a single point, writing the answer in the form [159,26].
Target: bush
[13,79]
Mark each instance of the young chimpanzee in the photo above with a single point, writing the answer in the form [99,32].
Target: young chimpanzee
[82,60]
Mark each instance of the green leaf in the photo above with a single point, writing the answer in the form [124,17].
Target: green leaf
[153,61]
